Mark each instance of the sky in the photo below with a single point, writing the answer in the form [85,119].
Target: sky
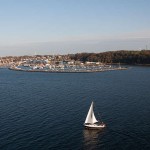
[29,27]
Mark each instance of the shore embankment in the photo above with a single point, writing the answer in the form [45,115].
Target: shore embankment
[67,71]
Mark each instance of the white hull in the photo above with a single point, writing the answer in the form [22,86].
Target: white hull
[94,126]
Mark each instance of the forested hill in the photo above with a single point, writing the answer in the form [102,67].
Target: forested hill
[122,56]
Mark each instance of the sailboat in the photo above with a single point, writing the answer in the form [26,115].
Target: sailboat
[91,121]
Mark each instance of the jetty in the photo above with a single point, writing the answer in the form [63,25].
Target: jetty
[69,69]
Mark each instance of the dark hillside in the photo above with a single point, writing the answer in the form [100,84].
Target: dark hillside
[123,56]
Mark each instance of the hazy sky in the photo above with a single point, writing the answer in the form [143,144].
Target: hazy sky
[70,26]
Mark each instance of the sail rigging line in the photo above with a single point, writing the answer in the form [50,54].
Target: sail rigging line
[99,117]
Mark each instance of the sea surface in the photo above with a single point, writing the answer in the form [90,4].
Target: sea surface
[46,111]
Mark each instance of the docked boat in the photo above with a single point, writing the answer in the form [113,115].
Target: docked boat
[91,122]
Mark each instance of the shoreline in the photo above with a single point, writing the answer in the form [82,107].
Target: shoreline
[64,71]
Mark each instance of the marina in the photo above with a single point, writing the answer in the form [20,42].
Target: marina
[67,68]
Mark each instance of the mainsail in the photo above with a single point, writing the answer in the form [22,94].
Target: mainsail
[90,116]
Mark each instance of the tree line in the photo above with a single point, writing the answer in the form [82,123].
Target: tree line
[122,56]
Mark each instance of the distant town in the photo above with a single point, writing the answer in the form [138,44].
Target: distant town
[38,60]
[80,62]
[109,57]
[54,63]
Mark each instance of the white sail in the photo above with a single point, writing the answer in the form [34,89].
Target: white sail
[90,116]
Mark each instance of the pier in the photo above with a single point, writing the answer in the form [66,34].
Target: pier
[69,69]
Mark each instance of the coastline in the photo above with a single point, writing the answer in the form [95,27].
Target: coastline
[65,71]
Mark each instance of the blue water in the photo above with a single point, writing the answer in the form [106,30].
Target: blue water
[46,111]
